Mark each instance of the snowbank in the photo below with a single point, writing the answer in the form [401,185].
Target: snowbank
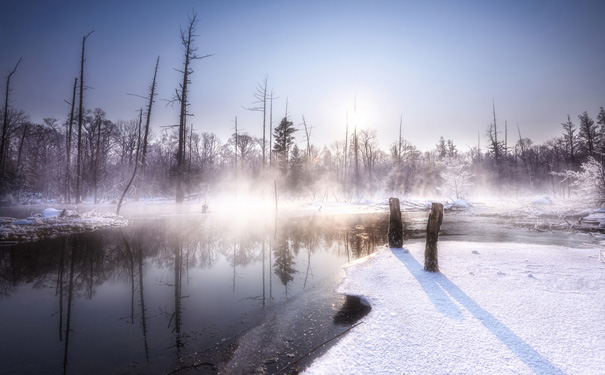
[495,308]
[52,223]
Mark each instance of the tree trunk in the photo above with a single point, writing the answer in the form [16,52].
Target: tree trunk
[395,233]
[136,164]
[68,136]
[431,263]
[146,136]
[186,41]
[80,120]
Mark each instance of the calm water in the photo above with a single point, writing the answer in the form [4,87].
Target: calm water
[199,294]
[178,294]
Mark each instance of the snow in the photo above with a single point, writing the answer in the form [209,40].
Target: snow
[495,308]
[52,223]
[543,200]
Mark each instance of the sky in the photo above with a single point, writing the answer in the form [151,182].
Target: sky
[437,65]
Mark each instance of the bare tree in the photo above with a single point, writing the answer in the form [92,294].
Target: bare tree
[346,145]
[145,139]
[5,123]
[308,136]
[271,97]
[80,120]
[68,139]
[368,151]
[355,144]
[523,145]
[261,106]
[494,145]
[136,163]
[187,39]
[99,131]
[400,143]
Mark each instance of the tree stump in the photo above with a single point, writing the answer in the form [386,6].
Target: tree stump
[395,233]
[431,263]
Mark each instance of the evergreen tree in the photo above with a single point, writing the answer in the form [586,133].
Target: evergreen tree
[570,140]
[601,122]
[297,166]
[588,133]
[284,138]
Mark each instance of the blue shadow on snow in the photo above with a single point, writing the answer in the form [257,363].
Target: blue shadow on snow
[439,289]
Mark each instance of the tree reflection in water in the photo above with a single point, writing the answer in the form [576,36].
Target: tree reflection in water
[111,288]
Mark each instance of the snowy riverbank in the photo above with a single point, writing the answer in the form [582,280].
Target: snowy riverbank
[50,223]
[495,308]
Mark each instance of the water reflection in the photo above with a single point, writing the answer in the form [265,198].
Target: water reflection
[142,298]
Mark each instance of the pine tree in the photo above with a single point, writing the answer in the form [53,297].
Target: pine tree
[570,139]
[284,138]
[588,133]
[297,169]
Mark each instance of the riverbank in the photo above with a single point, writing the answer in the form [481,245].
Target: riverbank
[494,308]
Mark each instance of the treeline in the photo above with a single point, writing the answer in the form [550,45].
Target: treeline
[87,156]
[35,162]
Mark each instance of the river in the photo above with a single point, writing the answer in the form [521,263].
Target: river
[201,294]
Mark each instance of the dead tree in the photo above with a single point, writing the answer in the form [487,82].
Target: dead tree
[145,139]
[356,148]
[270,127]
[235,147]
[5,140]
[187,39]
[136,163]
[395,233]
[261,106]
[433,225]
[308,136]
[80,121]
[344,173]
[68,136]
[400,143]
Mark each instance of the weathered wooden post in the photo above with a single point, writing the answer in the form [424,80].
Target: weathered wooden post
[431,263]
[395,233]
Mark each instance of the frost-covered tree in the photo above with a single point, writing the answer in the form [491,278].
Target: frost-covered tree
[589,182]
[456,175]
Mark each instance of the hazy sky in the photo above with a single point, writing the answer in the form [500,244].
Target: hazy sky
[437,63]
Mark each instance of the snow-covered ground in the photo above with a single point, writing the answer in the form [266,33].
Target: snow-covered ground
[51,222]
[495,308]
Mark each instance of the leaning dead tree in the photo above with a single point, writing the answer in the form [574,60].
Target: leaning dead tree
[145,140]
[136,162]
[187,39]
[4,142]
[80,122]
[433,225]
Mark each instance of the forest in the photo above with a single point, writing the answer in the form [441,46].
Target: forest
[89,157]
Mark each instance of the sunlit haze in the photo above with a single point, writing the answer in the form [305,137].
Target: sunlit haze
[439,64]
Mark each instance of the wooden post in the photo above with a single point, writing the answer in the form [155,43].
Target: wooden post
[395,233]
[431,263]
